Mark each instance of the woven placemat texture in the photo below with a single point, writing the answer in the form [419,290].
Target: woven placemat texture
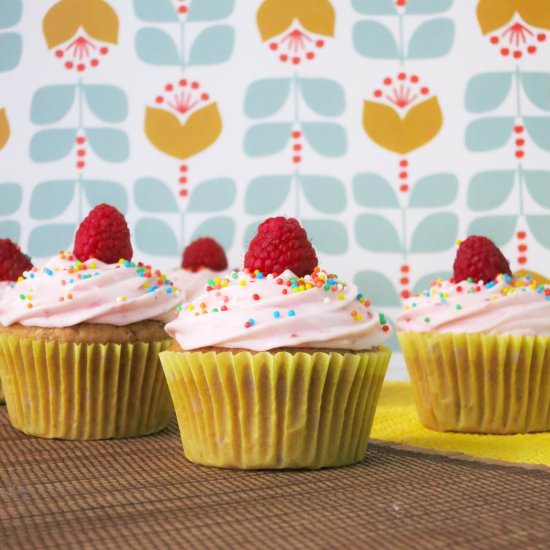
[142,493]
[396,420]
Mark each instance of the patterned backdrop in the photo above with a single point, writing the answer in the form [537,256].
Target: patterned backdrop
[390,127]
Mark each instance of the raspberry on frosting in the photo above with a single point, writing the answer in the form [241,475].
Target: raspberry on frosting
[103,235]
[281,244]
[204,253]
[12,261]
[480,259]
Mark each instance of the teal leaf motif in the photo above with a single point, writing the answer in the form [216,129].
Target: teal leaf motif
[266,139]
[374,7]
[53,144]
[427,7]
[249,233]
[378,287]
[10,229]
[376,234]
[111,192]
[499,229]
[538,185]
[434,191]
[327,236]
[159,11]
[538,129]
[213,45]
[266,194]
[537,89]
[490,189]
[11,195]
[326,138]
[372,190]
[51,103]
[539,227]
[208,10]
[153,195]
[324,96]
[212,195]
[425,281]
[156,47]
[10,13]
[265,97]
[487,91]
[110,144]
[325,193]
[51,198]
[155,237]
[486,134]
[374,40]
[221,228]
[47,240]
[11,46]
[433,38]
[435,233]
[108,103]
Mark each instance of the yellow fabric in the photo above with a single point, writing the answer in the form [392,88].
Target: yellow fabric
[396,421]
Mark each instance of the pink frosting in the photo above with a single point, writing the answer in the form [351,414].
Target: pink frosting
[506,306]
[191,283]
[261,313]
[66,292]
[4,285]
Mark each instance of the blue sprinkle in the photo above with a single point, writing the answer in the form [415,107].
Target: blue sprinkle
[277,314]
[169,290]
[259,275]
[490,284]
[71,281]
[547,298]
[359,296]
[48,271]
[31,275]
[251,322]
[291,313]
[152,289]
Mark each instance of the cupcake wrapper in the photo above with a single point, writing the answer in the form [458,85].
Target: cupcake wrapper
[275,410]
[84,391]
[480,383]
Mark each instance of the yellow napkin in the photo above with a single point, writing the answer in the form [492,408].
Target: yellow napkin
[396,421]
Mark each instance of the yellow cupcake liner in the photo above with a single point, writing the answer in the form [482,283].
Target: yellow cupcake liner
[477,383]
[275,410]
[84,391]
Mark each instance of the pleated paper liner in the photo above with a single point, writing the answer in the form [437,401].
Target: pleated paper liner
[478,383]
[275,410]
[84,391]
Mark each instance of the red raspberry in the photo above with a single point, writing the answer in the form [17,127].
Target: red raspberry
[280,244]
[204,252]
[479,258]
[12,261]
[103,235]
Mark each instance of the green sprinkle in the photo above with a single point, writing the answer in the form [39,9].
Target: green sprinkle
[413,304]
[382,319]
[458,306]
[427,319]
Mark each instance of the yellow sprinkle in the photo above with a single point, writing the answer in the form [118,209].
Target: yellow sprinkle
[242,282]
[341,296]
[92,265]
[20,279]
[121,261]
[358,317]
[190,307]
[29,297]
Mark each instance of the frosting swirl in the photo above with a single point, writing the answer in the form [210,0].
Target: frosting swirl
[191,283]
[259,313]
[66,292]
[506,305]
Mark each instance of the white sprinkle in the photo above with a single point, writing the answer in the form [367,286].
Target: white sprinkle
[326,300]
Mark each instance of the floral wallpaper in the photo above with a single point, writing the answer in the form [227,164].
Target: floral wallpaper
[391,128]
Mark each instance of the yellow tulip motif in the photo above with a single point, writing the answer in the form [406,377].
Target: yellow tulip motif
[4,128]
[80,22]
[183,129]
[292,23]
[395,128]
[493,14]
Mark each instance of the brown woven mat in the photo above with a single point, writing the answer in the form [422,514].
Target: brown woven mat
[142,493]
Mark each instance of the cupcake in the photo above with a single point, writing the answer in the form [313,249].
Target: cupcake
[12,264]
[80,339]
[280,364]
[477,347]
[202,261]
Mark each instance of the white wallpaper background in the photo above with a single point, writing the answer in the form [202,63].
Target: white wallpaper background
[347,186]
